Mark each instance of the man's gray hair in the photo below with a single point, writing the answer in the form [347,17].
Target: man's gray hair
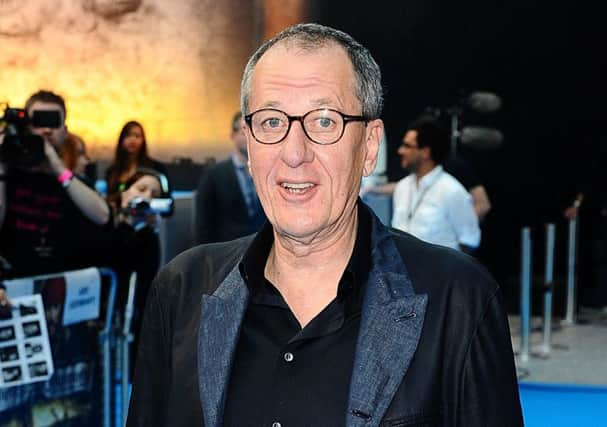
[310,37]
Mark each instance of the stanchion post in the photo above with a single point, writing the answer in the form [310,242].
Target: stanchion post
[127,338]
[525,293]
[548,287]
[118,374]
[105,337]
[571,271]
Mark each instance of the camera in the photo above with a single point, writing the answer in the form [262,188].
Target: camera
[140,206]
[20,147]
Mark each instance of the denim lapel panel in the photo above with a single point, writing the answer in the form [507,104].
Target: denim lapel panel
[220,320]
[391,326]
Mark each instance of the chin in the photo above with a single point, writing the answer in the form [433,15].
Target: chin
[296,229]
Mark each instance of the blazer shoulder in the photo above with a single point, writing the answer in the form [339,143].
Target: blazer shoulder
[202,268]
[438,268]
[219,171]
[223,165]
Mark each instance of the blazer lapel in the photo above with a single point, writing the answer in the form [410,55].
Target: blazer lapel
[391,325]
[220,320]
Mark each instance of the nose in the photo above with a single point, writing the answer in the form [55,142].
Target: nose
[297,148]
[401,149]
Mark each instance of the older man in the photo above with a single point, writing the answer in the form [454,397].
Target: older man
[325,317]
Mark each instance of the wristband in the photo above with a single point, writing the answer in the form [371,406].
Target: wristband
[65,178]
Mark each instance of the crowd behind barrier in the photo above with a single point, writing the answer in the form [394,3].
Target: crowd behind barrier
[79,311]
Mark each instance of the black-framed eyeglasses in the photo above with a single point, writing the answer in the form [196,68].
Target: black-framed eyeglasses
[322,126]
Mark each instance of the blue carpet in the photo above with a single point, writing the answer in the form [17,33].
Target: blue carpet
[545,405]
[556,405]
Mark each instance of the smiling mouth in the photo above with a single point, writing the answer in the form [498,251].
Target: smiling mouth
[296,188]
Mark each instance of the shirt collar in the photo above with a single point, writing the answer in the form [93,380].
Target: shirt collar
[238,163]
[429,179]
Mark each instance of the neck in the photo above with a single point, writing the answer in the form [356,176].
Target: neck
[424,169]
[307,274]
[131,159]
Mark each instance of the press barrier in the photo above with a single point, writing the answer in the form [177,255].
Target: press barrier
[80,347]
[526,280]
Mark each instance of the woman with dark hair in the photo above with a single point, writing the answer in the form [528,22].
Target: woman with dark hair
[136,244]
[131,153]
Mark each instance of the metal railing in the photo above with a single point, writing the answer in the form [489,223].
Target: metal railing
[526,280]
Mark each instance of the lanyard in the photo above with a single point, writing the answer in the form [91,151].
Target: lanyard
[413,209]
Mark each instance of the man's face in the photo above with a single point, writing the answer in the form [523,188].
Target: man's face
[409,151]
[309,190]
[54,136]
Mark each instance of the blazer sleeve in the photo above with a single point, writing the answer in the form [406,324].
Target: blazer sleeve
[147,406]
[488,389]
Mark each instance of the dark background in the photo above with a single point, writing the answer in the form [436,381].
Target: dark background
[542,59]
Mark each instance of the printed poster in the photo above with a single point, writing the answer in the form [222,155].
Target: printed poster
[25,351]
[83,296]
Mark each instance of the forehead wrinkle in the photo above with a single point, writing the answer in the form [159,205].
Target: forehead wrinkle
[325,84]
[336,101]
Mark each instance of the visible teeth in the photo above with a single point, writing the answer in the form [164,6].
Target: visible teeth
[293,185]
[296,188]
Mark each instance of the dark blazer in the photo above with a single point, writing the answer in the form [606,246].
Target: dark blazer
[434,345]
[221,211]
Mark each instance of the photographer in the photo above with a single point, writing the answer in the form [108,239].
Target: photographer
[49,220]
[137,245]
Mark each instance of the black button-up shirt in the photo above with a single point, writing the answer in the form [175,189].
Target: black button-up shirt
[285,374]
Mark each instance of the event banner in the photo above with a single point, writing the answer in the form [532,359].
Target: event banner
[25,352]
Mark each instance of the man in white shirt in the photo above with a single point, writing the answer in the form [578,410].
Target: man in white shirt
[430,203]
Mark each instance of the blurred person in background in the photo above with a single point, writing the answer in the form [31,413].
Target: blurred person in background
[455,165]
[73,154]
[463,171]
[131,153]
[136,244]
[430,203]
[50,220]
[227,205]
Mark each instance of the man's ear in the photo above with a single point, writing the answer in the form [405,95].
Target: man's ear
[249,138]
[426,153]
[373,136]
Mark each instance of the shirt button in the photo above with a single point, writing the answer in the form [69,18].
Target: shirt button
[289,358]
[276,424]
